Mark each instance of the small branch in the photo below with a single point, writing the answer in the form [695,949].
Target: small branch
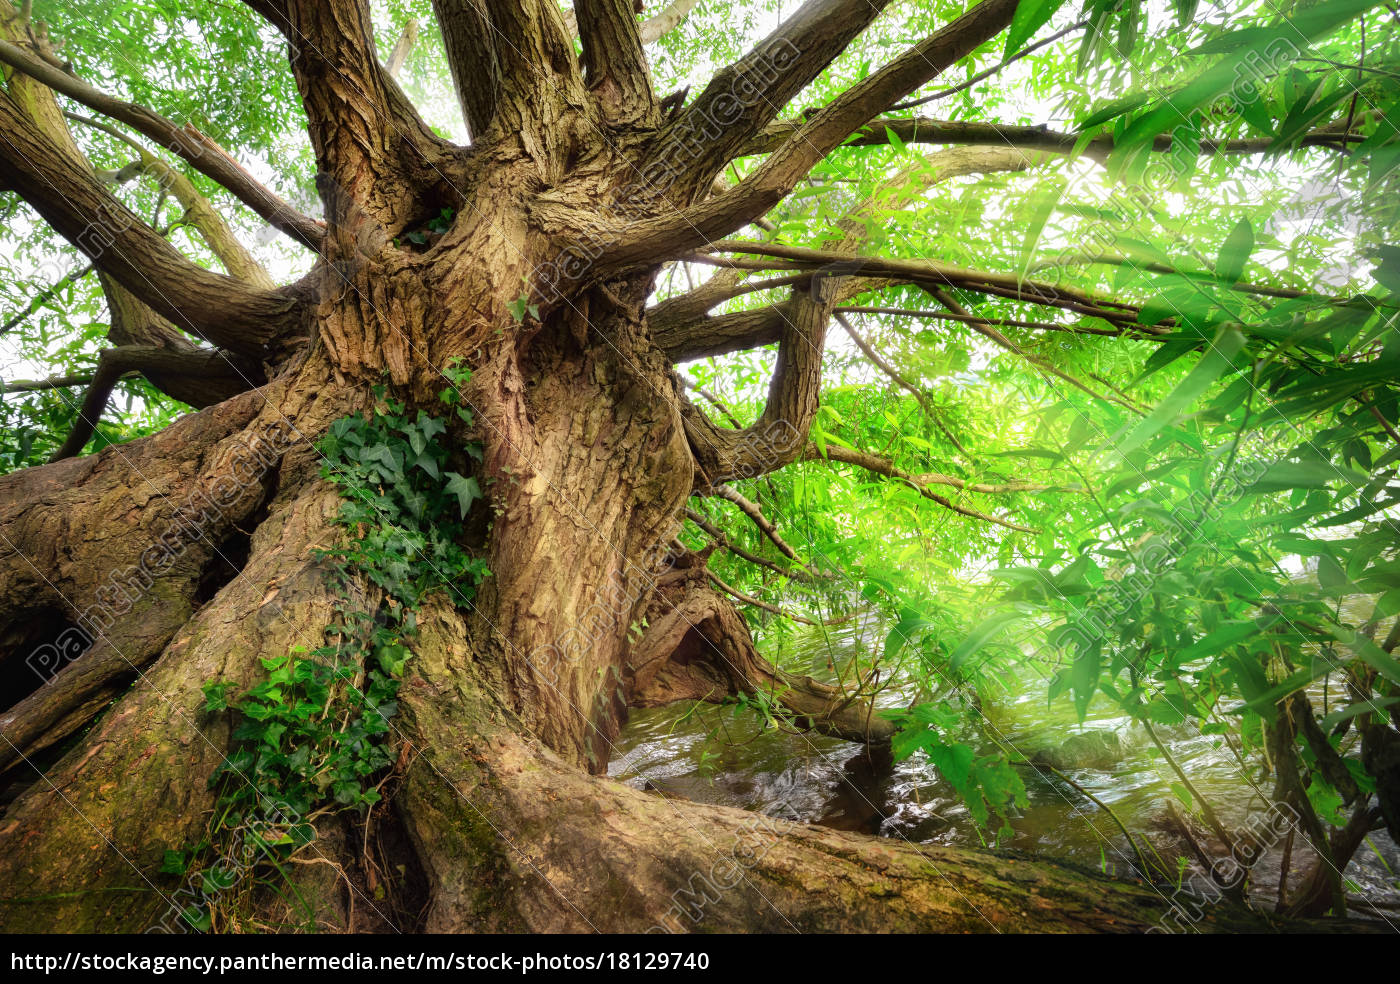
[722,540]
[1125,330]
[893,373]
[714,401]
[922,130]
[1029,49]
[749,600]
[39,385]
[884,468]
[751,510]
[403,47]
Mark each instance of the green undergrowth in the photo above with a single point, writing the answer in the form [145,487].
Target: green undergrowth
[315,737]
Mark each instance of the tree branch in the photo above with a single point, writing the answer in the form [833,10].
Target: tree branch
[614,66]
[212,367]
[217,235]
[471,58]
[41,385]
[922,130]
[920,483]
[63,189]
[367,135]
[403,47]
[696,647]
[750,509]
[905,384]
[746,95]
[722,540]
[513,66]
[826,130]
[185,141]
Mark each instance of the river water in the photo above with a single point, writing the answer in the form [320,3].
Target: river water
[813,779]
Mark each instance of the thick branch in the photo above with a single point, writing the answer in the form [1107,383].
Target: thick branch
[185,141]
[217,378]
[614,66]
[745,96]
[471,58]
[513,66]
[368,137]
[826,130]
[74,202]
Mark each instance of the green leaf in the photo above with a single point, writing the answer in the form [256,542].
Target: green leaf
[174,863]
[1229,266]
[1030,16]
[1217,360]
[466,490]
[985,632]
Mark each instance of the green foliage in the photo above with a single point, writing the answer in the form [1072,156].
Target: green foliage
[987,783]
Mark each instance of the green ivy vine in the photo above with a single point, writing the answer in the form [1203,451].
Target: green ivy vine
[311,739]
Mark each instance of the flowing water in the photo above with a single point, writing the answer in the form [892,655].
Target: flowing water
[813,779]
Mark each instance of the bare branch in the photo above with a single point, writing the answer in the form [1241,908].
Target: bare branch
[657,27]
[905,384]
[1041,363]
[403,47]
[653,28]
[988,73]
[751,600]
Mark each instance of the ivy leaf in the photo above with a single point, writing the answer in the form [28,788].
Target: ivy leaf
[174,863]
[466,490]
